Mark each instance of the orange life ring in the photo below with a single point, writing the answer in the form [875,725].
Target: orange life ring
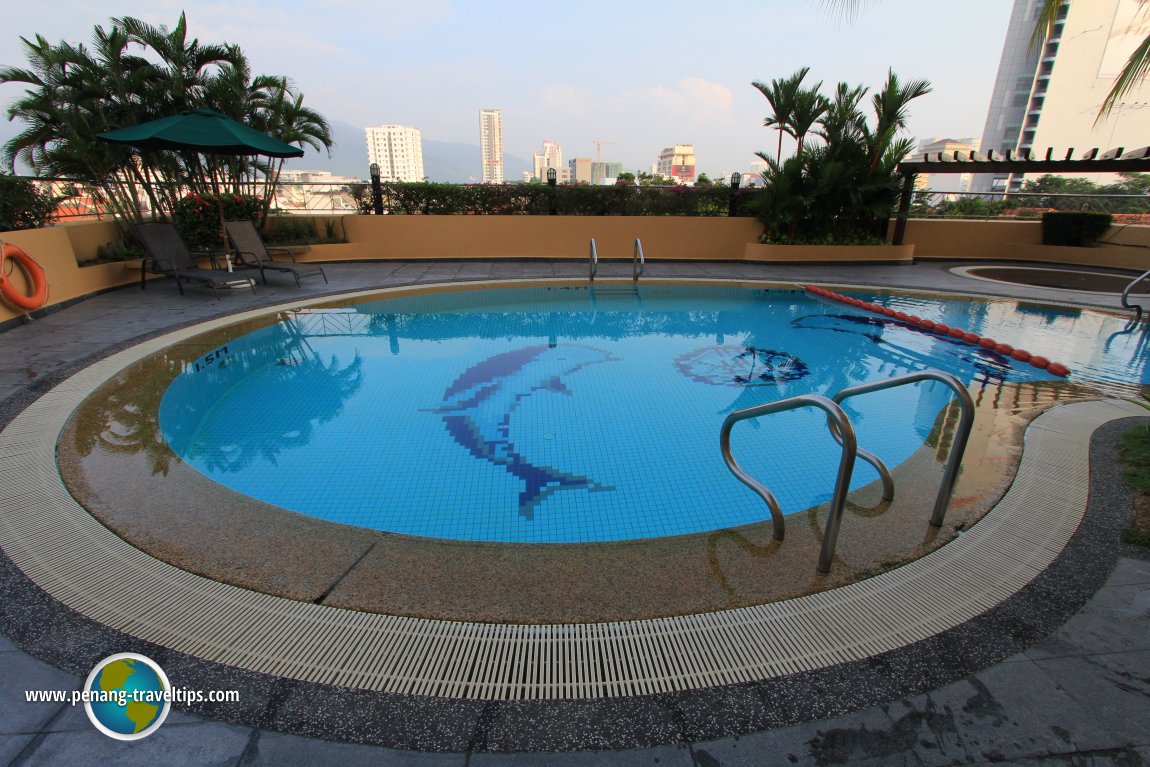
[35,274]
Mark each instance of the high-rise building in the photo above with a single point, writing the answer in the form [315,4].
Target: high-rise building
[397,150]
[1047,97]
[581,169]
[491,144]
[944,182]
[550,157]
[605,172]
[678,163]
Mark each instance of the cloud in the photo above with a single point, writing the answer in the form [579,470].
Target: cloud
[710,102]
[692,100]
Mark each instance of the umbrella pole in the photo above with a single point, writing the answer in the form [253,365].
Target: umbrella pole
[220,208]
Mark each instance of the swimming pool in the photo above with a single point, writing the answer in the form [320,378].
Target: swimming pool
[559,414]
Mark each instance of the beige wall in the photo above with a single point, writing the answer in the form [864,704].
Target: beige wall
[57,249]
[488,237]
[664,237]
[1022,241]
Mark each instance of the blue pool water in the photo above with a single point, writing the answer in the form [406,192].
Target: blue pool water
[549,414]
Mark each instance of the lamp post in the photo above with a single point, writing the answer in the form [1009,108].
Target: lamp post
[552,180]
[733,205]
[376,189]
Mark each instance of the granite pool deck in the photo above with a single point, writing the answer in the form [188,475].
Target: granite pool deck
[1068,689]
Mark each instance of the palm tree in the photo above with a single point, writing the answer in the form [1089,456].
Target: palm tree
[808,109]
[74,92]
[843,190]
[890,109]
[781,94]
[842,120]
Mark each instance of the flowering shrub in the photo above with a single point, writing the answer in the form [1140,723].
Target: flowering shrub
[565,200]
[198,217]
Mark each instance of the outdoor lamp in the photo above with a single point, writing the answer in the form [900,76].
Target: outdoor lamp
[733,203]
[376,189]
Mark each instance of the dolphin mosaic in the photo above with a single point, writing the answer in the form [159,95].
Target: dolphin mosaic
[477,410]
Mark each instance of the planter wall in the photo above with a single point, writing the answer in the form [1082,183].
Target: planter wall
[1126,246]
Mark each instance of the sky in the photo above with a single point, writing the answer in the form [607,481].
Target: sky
[638,74]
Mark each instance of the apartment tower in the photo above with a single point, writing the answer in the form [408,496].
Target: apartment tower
[397,150]
[491,144]
[550,157]
[1048,96]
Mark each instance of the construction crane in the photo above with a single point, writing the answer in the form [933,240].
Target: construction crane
[598,158]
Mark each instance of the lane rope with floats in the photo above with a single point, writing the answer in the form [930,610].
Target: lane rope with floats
[958,334]
[36,276]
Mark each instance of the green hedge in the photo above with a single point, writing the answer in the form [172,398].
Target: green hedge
[23,205]
[568,200]
[1074,228]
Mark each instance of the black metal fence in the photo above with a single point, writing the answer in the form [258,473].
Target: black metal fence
[78,200]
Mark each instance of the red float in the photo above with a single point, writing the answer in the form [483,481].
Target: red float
[987,343]
[1004,348]
[940,328]
[1021,355]
[1039,361]
[1058,369]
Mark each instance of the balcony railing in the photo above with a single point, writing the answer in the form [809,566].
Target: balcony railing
[1126,208]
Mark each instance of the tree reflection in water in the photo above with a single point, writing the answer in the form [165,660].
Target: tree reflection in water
[299,389]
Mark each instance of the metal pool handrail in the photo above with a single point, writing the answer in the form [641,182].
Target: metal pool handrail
[639,263]
[962,432]
[1126,296]
[593,260]
[845,438]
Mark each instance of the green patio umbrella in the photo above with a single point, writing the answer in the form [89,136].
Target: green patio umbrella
[205,131]
[201,130]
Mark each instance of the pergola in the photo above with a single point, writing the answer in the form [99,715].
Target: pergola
[1114,161]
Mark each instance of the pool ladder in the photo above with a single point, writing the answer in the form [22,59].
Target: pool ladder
[1126,296]
[843,432]
[638,266]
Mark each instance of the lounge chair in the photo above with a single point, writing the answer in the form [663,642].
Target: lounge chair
[169,254]
[252,251]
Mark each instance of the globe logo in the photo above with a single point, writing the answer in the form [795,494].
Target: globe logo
[127,696]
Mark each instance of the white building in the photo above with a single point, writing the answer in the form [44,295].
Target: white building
[314,177]
[550,157]
[491,144]
[1048,97]
[944,182]
[678,163]
[398,150]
